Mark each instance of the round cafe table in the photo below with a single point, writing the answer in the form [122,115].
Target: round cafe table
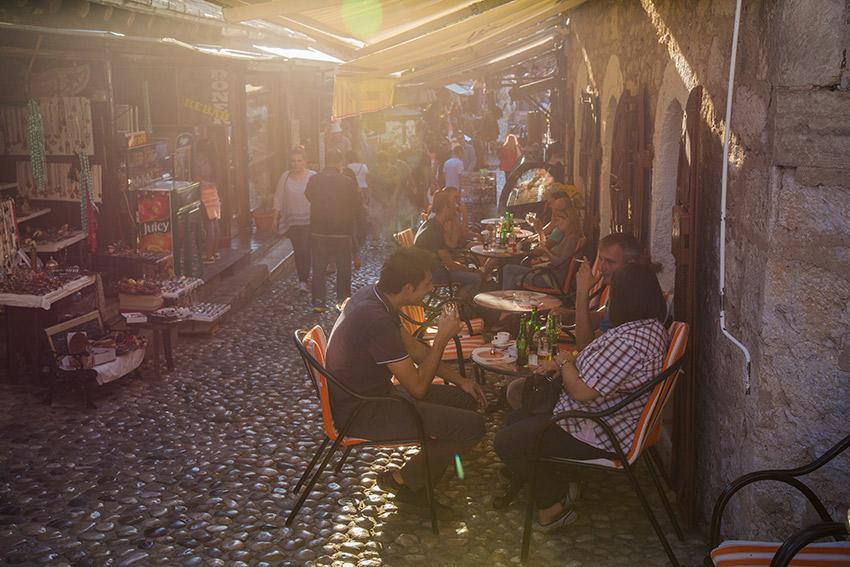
[501,255]
[506,301]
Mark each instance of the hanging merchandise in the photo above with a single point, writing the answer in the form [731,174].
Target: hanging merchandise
[87,207]
[146,98]
[35,132]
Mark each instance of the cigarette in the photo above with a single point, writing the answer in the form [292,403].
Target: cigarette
[579,261]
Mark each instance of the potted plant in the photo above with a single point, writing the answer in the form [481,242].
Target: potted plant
[264,215]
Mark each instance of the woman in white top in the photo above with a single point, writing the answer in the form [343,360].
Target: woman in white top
[294,208]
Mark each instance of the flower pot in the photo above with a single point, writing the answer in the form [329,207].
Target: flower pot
[263,221]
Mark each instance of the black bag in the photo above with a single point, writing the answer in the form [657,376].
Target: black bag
[540,393]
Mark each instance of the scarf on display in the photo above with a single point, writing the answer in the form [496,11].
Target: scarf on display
[35,131]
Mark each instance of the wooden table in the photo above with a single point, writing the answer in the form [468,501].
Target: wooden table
[506,301]
[27,315]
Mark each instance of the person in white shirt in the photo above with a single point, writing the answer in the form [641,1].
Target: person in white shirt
[293,208]
[454,167]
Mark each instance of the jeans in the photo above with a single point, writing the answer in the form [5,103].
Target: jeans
[299,236]
[450,420]
[515,446]
[470,281]
[211,228]
[323,249]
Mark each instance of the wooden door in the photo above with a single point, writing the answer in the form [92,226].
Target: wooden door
[631,163]
[685,217]
[589,168]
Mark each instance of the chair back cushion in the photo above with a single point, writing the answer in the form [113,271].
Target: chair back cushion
[735,553]
[414,312]
[315,344]
[405,238]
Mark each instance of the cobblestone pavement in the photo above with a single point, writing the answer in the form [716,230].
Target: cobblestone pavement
[199,469]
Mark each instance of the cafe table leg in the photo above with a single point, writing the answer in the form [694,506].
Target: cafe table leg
[169,356]
[156,340]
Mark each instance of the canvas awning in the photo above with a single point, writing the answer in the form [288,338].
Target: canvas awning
[427,42]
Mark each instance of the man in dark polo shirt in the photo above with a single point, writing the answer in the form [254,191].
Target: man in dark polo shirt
[368,346]
[432,237]
[335,203]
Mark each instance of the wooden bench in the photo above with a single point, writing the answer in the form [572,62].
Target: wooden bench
[68,362]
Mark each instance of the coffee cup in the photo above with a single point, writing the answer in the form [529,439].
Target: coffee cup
[502,337]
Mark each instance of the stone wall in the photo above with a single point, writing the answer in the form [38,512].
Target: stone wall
[788,224]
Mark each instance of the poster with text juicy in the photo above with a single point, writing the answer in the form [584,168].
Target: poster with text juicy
[154,221]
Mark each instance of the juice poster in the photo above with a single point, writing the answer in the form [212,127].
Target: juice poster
[155,221]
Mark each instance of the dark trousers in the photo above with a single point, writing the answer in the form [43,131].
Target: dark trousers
[299,236]
[450,420]
[515,446]
[325,248]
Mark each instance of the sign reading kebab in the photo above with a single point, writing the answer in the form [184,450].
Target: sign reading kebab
[205,96]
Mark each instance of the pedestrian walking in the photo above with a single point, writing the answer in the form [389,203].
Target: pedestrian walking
[334,207]
[293,209]
[206,175]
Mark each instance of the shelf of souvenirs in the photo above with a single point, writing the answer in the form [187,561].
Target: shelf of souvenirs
[31,214]
[4,186]
[65,240]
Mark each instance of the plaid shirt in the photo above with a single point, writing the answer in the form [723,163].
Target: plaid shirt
[615,365]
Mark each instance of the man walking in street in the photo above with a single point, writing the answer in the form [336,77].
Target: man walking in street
[369,345]
[335,204]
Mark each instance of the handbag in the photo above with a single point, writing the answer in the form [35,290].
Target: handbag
[540,393]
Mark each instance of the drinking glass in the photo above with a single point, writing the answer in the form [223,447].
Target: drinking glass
[544,349]
[529,217]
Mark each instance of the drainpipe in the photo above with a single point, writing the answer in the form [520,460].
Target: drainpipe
[724,184]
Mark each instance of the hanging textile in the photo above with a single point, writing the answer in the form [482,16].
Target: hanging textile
[35,135]
[88,221]
[146,100]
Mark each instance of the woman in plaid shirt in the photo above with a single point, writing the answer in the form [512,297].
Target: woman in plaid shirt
[608,370]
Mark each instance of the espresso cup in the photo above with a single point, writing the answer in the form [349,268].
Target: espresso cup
[502,337]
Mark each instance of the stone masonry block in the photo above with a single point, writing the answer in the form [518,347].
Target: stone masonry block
[810,41]
[811,128]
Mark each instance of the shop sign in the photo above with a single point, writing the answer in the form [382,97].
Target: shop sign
[156,227]
[136,139]
[205,96]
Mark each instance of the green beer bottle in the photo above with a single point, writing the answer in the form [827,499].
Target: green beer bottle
[522,343]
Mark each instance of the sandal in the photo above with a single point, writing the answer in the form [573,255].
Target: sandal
[207,260]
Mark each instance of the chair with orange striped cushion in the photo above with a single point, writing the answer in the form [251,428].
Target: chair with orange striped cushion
[418,324]
[559,288]
[649,426]
[311,346]
[404,238]
[797,551]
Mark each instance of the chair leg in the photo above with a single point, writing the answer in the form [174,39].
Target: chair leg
[312,464]
[342,459]
[656,460]
[48,397]
[312,482]
[652,519]
[653,472]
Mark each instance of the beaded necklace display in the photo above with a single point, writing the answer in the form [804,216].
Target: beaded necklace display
[87,207]
[35,132]
[146,100]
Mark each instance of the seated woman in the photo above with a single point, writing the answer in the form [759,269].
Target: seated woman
[608,370]
[559,256]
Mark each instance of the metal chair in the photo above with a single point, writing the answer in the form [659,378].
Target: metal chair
[311,346]
[420,321]
[562,289]
[799,547]
[659,390]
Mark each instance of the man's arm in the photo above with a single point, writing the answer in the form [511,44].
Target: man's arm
[416,380]
[451,265]
[584,327]
[419,353]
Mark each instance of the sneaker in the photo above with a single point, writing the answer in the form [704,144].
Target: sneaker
[567,517]
[217,256]
[207,260]
[302,287]
[319,306]
[388,483]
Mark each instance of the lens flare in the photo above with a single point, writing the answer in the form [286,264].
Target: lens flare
[459,468]
[362,17]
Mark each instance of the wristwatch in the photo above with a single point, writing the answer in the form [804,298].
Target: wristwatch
[561,364]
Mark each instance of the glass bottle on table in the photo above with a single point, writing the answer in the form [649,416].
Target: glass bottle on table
[522,343]
[552,332]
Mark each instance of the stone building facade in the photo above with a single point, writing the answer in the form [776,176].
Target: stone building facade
[788,222]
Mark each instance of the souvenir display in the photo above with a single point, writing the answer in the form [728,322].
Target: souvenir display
[35,136]
[26,282]
[208,311]
[130,286]
[60,185]
[9,236]
[66,124]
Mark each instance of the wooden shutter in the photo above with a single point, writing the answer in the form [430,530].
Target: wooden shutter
[589,168]
[684,243]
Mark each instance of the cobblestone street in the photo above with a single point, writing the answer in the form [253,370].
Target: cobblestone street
[199,469]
